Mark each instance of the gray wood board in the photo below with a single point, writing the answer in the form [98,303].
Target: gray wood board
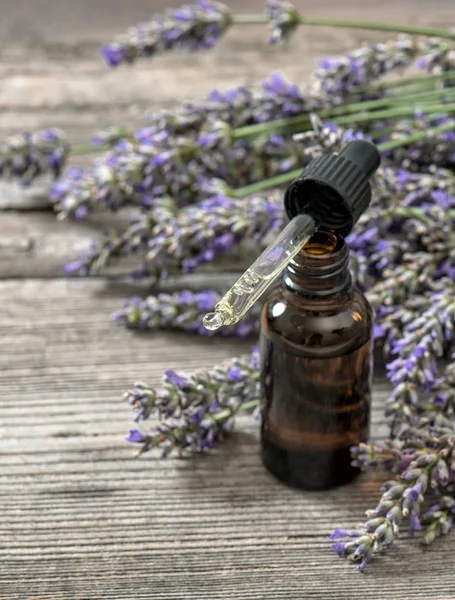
[81,517]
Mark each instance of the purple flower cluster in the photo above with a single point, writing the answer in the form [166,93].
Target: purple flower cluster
[435,150]
[170,244]
[141,170]
[131,240]
[195,410]
[424,461]
[283,18]
[339,75]
[192,27]
[179,154]
[437,56]
[25,156]
[181,310]
[239,106]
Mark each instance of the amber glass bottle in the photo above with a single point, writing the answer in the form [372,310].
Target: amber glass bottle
[316,368]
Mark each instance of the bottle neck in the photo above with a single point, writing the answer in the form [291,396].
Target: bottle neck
[321,268]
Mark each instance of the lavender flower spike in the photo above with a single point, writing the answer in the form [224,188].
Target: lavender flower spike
[193,27]
[25,156]
[181,310]
[284,19]
[196,409]
[180,244]
[425,456]
[338,75]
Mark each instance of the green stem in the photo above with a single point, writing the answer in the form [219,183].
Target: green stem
[398,83]
[399,28]
[398,111]
[257,19]
[265,184]
[414,211]
[278,180]
[81,149]
[282,125]
[416,137]
[227,413]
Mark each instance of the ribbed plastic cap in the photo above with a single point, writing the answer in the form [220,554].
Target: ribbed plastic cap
[335,188]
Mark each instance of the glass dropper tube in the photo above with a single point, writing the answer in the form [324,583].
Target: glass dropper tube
[234,305]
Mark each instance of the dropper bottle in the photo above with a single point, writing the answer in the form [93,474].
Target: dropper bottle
[332,192]
[316,337]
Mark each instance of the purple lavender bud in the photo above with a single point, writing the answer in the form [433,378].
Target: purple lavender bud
[283,18]
[175,379]
[340,548]
[344,533]
[192,27]
[414,524]
[25,156]
[136,437]
[442,472]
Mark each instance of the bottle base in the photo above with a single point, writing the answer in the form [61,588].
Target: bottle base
[309,470]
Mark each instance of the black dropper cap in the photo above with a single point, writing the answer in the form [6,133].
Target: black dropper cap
[335,188]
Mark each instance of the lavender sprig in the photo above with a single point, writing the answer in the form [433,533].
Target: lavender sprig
[25,156]
[195,409]
[150,166]
[181,310]
[192,27]
[428,460]
[172,245]
[339,75]
[131,240]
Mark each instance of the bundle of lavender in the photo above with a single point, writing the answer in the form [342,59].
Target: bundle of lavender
[202,178]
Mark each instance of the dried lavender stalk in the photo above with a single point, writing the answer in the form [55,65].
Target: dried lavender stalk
[141,172]
[197,409]
[425,464]
[340,75]
[181,310]
[171,245]
[133,239]
[25,156]
[192,27]
[152,164]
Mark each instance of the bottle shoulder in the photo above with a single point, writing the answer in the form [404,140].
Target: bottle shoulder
[331,326]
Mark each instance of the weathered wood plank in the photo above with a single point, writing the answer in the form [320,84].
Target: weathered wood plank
[82,518]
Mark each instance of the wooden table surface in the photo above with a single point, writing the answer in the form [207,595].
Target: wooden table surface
[81,518]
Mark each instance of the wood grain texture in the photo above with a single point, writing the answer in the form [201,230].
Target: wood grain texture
[81,518]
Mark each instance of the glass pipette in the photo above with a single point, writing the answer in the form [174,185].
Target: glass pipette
[332,192]
[254,282]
